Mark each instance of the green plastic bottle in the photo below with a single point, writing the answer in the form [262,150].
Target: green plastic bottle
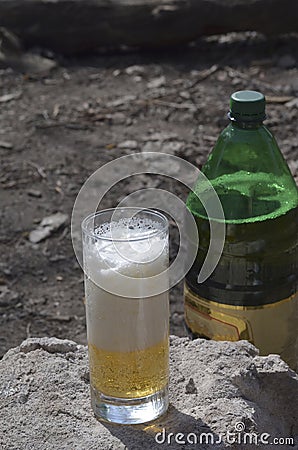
[252,293]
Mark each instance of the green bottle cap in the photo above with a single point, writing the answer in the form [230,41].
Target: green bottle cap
[247,106]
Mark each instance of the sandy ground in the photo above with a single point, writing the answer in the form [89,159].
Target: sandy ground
[57,128]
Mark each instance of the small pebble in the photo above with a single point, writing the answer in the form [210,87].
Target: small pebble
[34,193]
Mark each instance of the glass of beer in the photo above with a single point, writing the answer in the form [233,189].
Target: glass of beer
[126,262]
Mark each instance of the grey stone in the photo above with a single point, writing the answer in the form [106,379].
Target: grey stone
[156,82]
[292,103]
[48,225]
[121,101]
[130,144]
[51,345]
[9,97]
[160,136]
[6,145]
[118,118]
[34,193]
[135,70]
[215,388]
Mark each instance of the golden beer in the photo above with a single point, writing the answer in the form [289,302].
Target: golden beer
[131,374]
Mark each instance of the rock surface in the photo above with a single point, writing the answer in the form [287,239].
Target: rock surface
[215,388]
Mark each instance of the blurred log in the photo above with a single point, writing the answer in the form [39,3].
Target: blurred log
[77,26]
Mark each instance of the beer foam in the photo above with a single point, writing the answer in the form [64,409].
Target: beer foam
[125,305]
[127,242]
[131,248]
[128,228]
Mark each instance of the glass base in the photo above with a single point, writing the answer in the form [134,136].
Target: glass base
[129,410]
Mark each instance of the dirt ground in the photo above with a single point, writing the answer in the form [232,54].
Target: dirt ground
[58,128]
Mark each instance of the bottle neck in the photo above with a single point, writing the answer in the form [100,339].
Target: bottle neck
[252,125]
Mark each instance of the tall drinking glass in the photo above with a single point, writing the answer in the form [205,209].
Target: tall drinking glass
[126,262]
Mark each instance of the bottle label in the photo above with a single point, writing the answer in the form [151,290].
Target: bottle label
[272,327]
